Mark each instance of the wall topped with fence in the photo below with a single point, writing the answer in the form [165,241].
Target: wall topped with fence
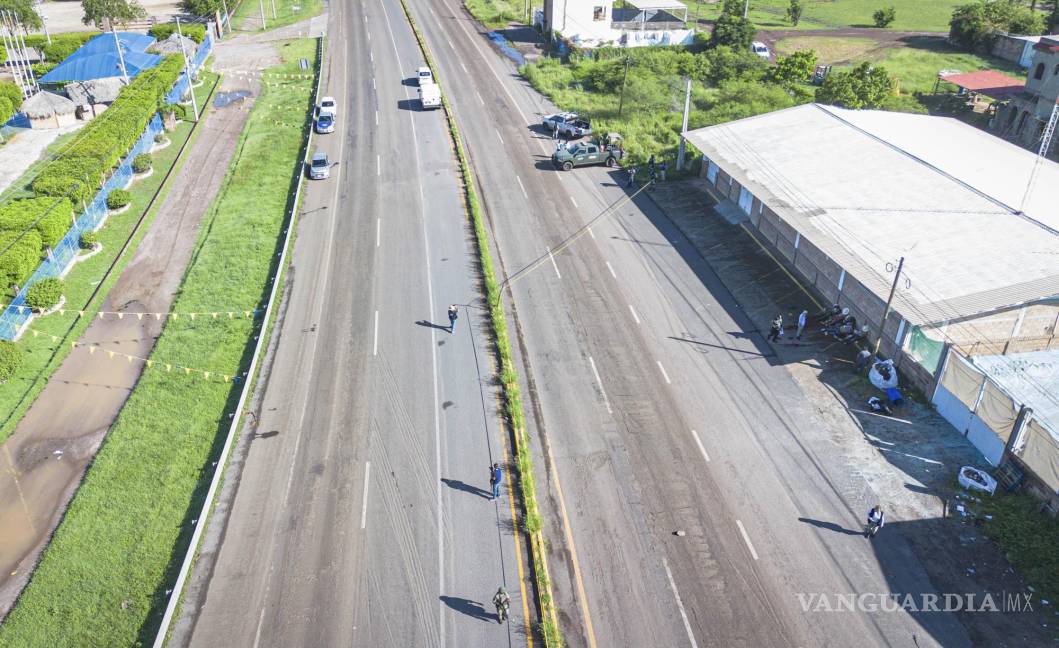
[59,258]
[183,84]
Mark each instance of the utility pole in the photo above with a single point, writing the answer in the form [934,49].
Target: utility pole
[121,55]
[889,301]
[527,19]
[746,8]
[273,9]
[187,72]
[226,24]
[684,126]
[261,5]
[621,100]
[44,22]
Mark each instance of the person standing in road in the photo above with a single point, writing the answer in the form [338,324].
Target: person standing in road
[802,317]
[662,171]
[454,312]
[776,330]
[651,164]
[496,474]
[502,602]
[632,176]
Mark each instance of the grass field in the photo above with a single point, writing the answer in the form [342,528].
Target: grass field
[102,580]
[497,13]
[912,15]
[42,356]
[248,15]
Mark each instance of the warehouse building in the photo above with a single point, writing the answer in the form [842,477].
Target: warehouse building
[841,196]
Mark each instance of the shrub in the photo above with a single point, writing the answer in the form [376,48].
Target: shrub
[862,87]
[40,69]
[89,240]
[21,256]
[6,110]
[794,12]
[118,198]
[11,92]
[61,46]
[142,163]
[193,31]
[202,7]
[44,294]
[51,217]
[883,17]
[159,138]
[10,360]
[975,26]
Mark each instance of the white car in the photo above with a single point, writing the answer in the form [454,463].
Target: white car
[327,104]
[424,75]
[760,49]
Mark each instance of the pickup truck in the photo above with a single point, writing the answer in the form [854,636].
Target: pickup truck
[584,154]
[567,125]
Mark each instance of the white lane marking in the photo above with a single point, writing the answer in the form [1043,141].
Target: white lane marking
[364,503]
[606,401]
[573,201]
[375,337]
[464,68]
[611,268]
[664,374]
[433,353]
[480,100]
[378,165]
[520,186]
[746,539]
[680,604]
[371,57]
[260,620]
[485,57]
[373,84]
[499,137]
[552,257]
[702,448]
[369,35]
[450,43]
[378,231]
[591,233]
[634,315]
[376,117]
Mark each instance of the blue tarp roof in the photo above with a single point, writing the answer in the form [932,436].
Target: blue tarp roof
[98,59]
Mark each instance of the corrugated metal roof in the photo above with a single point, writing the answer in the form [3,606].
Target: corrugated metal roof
[868,187]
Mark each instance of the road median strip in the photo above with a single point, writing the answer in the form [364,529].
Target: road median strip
[532,522]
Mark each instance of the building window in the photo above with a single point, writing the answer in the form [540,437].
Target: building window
[599,13]
[711,172]
[746,199]
[1039,71]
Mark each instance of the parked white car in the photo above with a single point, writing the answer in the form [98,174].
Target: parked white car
[327,104]
[760,49]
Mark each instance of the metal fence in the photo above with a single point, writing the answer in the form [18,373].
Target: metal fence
[62,255]
[183,84]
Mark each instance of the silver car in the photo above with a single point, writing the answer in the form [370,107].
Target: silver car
[319,166]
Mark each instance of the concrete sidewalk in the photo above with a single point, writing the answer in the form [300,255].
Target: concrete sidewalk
[44,459]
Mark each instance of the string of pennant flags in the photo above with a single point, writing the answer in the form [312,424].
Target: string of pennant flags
[264,75]
[102,314]
[169,367]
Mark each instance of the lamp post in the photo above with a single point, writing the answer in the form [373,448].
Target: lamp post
[187,72]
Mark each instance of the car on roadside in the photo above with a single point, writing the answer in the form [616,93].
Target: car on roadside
[567,124]
[424,76]
[761,49]
[327,104]
[325,122]
[319,166]
[585,154]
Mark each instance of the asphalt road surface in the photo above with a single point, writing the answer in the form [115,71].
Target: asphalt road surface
[357,512]
[660,410]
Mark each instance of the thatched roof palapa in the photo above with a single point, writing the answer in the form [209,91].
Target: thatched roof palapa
[46,104]
[96,91]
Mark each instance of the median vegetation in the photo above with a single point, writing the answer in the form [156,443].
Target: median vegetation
[123,536]
[531,522]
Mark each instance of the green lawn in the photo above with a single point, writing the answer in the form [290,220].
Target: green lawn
[102,580]
[829,49]
[43,356]
[912,15]
[498,13]
[248,15]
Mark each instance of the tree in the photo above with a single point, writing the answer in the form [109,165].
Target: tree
[1053,20]
[202,7]
[862,87]
[976,25]
[727,64]
[24,12]
[794,69]
[883,17]
[733,31]
[114,11]
[794,12]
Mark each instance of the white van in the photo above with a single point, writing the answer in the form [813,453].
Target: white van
[429,96]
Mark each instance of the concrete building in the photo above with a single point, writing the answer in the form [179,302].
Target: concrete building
[842,195]
[1015,48]
[638,23]
[49,110]
[1022,119]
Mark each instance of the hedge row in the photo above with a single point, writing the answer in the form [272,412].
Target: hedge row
[47,220]
[61,46]
[82,167]
[193,31]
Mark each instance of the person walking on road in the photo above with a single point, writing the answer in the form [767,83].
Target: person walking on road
[502,602]
[802,317]
[776,330]
[454,312]
[496,474]
[632,176]
[876,520]
[662,171]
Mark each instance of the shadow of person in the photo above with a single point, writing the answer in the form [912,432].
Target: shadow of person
[432,325]
[471,608]
[467,488]
[830,526]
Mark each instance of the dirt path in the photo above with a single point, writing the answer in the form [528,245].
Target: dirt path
[44,459]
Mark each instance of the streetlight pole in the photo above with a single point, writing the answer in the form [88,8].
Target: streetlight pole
[261,5]
[889,301]
[621,100]
[187,72]
[684,126]
[746,8]
[121,56]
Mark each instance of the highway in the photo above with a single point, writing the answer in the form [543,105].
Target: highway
[353,514]
[356,511]
[658,410]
